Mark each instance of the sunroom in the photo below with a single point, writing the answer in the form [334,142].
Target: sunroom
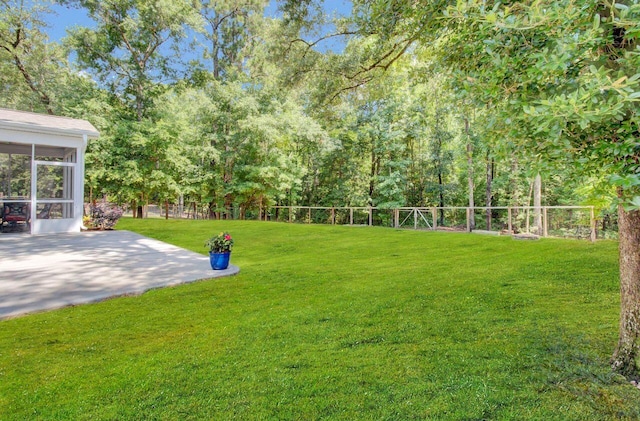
[42,172]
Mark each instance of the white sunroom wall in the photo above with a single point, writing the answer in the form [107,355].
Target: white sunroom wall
[74,147]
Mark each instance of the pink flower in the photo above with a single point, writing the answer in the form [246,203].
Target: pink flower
[227,237]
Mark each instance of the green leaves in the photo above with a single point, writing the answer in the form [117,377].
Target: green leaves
[633,204]
[127,49]
[626,182]
[629,190]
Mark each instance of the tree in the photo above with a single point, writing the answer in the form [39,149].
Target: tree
[515,56]
[227,32]
[441,159]
[130,52]
[34,73]
[470,181]
[564,74]
[590,115]
[129,49]
[537,203]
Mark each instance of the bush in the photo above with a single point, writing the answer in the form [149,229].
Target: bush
[103,216]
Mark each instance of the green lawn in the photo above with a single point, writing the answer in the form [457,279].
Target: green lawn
[336,323]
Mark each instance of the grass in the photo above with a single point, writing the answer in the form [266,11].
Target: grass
[336,323]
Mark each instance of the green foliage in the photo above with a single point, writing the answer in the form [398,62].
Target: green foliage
[34,73]
[264,116]
[515,58]
[221,243]
[441,159]
[256,135]
[381,324]
[126,50]
[227,32]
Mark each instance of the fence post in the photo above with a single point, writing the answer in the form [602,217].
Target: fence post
[593,225]
[333,216]
[290,213]
[309,214]
[468,219]
[510,224]
[370,216]
[545,229]
[350,216]
[415,218]
[434,215]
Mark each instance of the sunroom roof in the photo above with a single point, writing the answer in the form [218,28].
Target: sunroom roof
[22,120]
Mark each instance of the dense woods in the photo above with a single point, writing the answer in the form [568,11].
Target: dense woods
[216,105]
[400,103]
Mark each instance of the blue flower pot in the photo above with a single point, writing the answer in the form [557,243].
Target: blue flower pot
[219,261]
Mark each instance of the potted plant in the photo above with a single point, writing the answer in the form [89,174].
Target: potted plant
[220,250]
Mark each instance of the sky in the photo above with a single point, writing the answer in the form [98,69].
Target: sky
[65,18]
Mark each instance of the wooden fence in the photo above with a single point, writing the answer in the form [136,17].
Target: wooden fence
[545,221]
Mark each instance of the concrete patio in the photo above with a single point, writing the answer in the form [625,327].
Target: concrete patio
[45,272]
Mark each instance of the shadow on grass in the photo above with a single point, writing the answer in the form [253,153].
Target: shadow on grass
[570,367]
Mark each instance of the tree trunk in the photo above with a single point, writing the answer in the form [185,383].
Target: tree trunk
[488,191]
[140,102]
[537,204]
[215,51]
[626,358]
[472,216]
[228,207]
[441,196]
[375,168]
[211,213]
[515,189]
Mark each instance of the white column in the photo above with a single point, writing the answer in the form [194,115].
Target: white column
[78,197]
[34,190]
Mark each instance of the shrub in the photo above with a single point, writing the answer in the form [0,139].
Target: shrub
[103,215]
